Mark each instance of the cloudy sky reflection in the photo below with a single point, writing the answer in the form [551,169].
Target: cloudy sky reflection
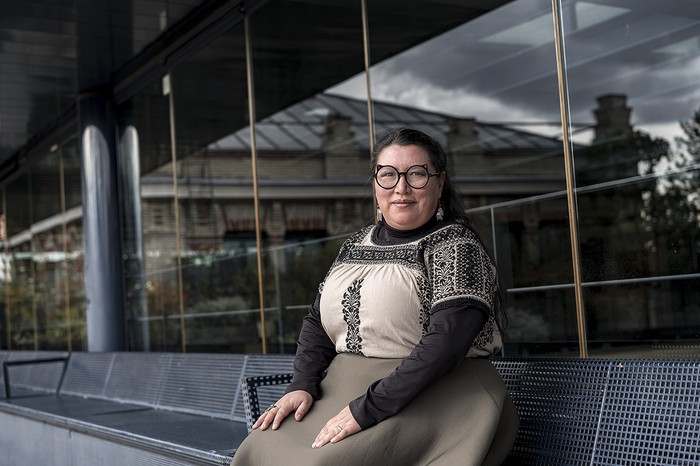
[501,66]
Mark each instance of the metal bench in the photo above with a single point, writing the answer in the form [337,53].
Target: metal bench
[583,411]
[139,408]
[33,371]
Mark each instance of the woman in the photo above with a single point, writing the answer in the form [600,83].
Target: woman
[403,323]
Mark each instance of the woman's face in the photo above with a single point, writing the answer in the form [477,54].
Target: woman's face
[402,206]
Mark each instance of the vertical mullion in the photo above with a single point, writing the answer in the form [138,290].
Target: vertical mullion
[254,162]
[570,174]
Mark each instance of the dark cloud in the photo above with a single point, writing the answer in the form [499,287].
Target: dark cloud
[501,66]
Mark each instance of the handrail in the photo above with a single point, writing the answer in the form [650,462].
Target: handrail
[22,362]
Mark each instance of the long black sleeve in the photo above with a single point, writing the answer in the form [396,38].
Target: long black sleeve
[451,333]
[315,351]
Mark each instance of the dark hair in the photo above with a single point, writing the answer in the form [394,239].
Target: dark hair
[452,203]
[451,200]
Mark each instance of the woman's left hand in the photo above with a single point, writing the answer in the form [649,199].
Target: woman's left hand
[341,426]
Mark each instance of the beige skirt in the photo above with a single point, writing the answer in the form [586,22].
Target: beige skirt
[465,418]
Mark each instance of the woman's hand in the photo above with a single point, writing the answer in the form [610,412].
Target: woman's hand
[341,426]
[297,401]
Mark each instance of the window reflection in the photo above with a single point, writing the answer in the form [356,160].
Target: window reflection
[43,288]
[487,90]
[5,277]
[20,284]
[482,81]
[47,252]
[312,152]
[73,296]
[632,76]
[151,291]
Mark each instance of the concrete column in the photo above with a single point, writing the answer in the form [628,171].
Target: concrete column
[101,224]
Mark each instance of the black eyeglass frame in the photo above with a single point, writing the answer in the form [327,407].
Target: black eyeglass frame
[398,178]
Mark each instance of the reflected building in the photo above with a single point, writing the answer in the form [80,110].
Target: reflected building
[130,219]
[314,173]
[315,184]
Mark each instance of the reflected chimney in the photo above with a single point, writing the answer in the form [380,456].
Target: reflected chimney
[612,118]
[338,134]
[463,147]
[339,148]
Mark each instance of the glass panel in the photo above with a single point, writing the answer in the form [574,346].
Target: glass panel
[293,274]
[152,296]
[632,73]
[150,18]
[313,152]
[219,265]
[38,68]
[20,297]
[486,89]
[5,273]
[47,252]
[531,314]
[43,282]
[73,296]
[221,293]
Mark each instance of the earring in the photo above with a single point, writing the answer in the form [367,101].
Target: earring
[440,213]
[379,215]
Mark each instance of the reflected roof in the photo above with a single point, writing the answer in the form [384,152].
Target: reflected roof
[299,128]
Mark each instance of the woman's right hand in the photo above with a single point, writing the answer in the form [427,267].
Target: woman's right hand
[297,402]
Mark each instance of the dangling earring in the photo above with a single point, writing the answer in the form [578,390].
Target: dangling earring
[379,215]
[440,213]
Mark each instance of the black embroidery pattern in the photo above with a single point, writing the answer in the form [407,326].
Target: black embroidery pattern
[459,267]
[406,256]
[485,337]
[349,244]
[351,315]
[451,264]
[424,297]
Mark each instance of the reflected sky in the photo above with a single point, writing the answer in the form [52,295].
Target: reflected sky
[501,66]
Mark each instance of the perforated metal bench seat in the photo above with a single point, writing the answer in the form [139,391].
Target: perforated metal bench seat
[583,411]
[127,408]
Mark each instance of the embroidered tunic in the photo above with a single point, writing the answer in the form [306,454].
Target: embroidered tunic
[377,300]
[425,296]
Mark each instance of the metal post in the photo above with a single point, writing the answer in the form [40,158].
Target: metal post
[570,174]
[254,162]
[176,207]
[370,110]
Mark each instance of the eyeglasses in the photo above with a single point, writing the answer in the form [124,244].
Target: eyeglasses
[417,176]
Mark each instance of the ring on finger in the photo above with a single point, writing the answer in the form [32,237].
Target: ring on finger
[340,429]
[270,407]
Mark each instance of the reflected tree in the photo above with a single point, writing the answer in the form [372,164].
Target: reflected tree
[632,228]
[671,208]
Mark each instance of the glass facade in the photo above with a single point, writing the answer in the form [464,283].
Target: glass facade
[491,90]
[632,67]
[243,165]
[311,155]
